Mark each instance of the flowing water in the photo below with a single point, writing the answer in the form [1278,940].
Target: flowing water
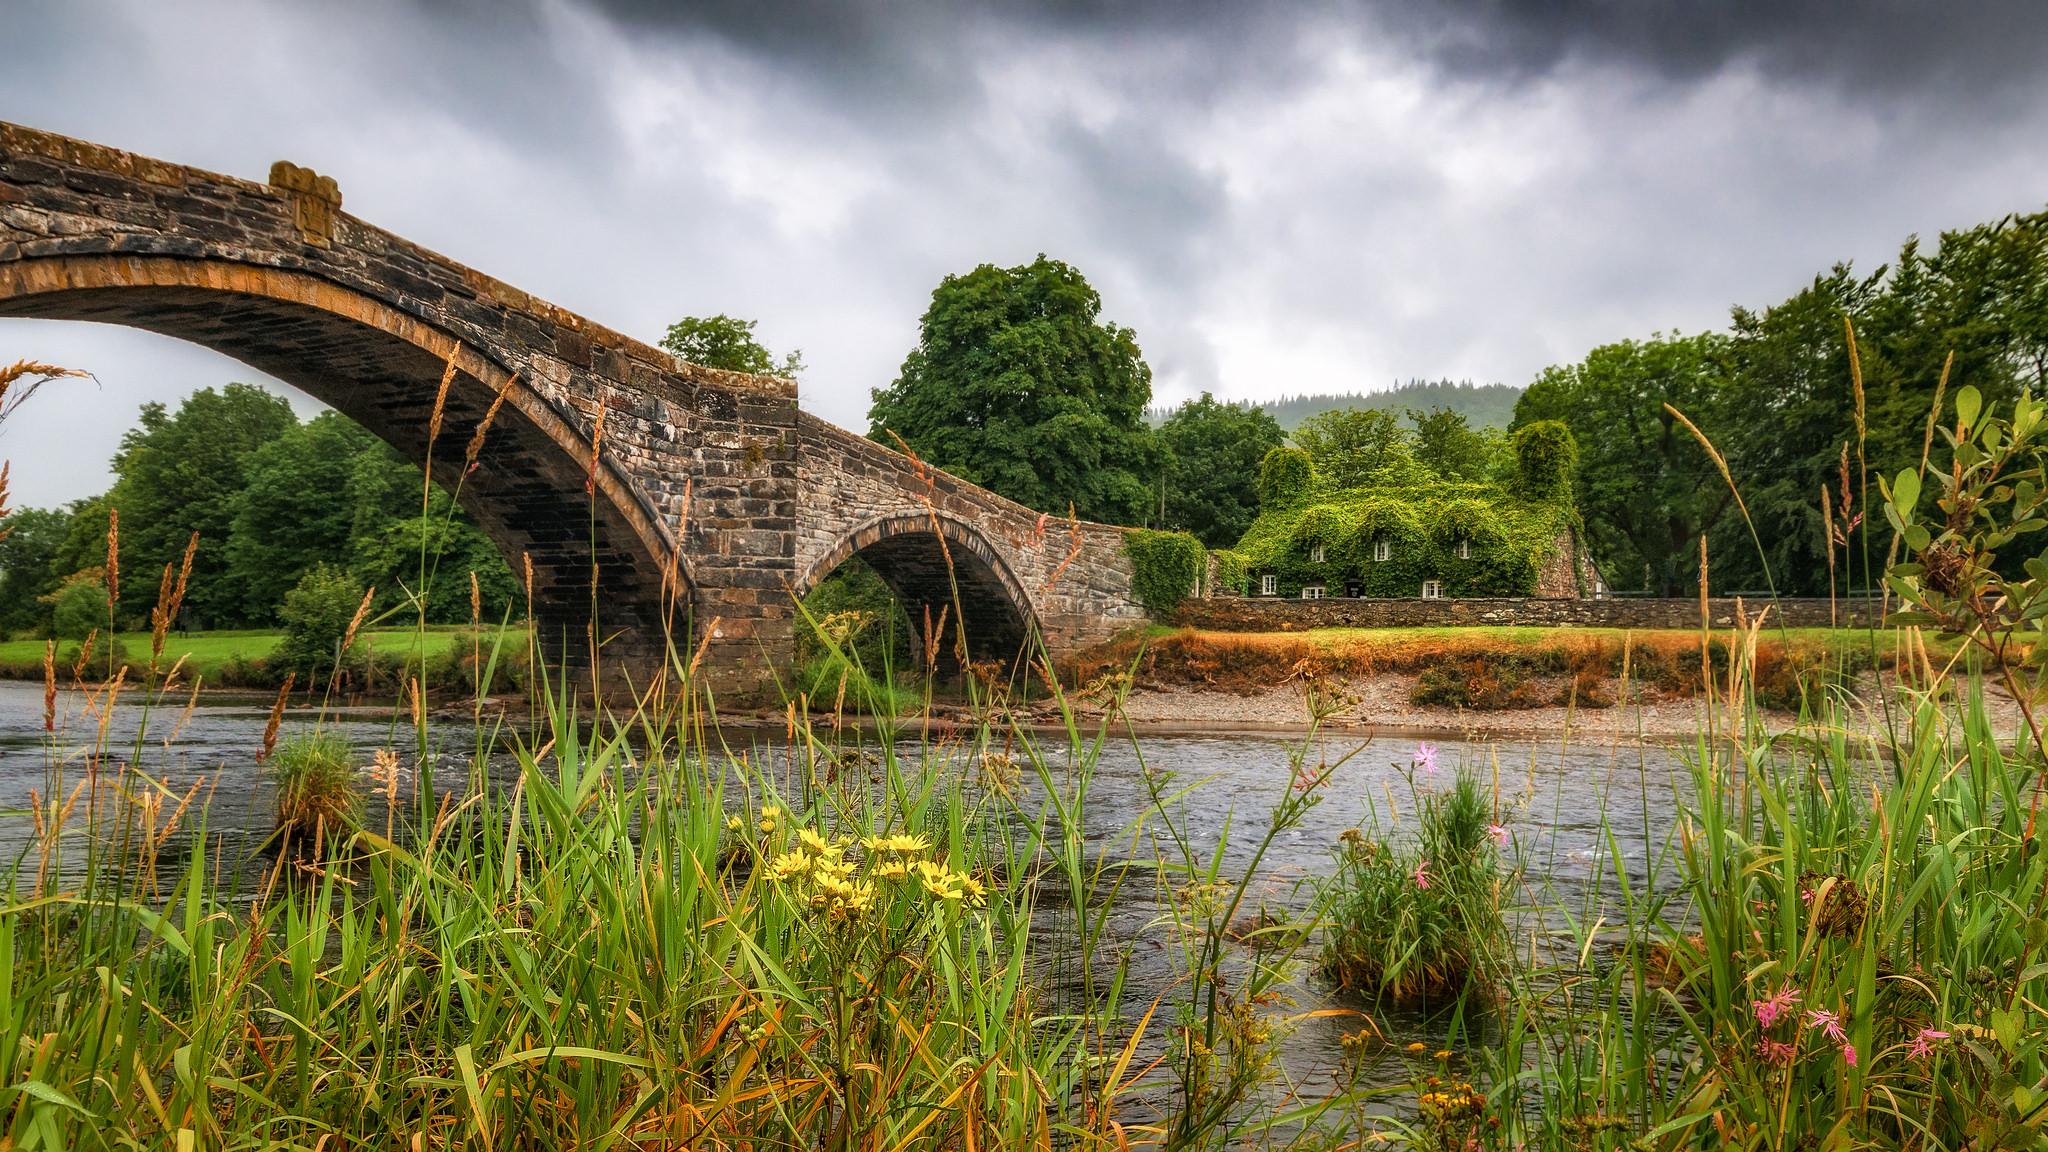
[1577,813]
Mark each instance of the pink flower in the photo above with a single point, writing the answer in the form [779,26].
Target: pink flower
[1774,1051]
[1778,1004]
[1499,834]
[1425,758]
[1849,1054]
[1829,1024]
[1422,875]
[1921,1048]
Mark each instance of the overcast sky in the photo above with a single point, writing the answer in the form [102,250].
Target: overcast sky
[1278,199]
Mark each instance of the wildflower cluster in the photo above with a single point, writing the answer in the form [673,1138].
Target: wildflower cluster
[1453,1111]
[822,865]
[844,890]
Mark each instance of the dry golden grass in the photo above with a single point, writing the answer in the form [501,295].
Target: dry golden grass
[1249,661]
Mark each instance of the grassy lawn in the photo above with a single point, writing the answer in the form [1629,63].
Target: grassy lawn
[205,652]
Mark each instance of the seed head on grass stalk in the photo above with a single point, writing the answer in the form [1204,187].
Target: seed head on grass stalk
[276,718]
[483,428]
[21,370]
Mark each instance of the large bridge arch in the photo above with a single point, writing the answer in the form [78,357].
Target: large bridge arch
[712,477]
[923,558]
[381,368]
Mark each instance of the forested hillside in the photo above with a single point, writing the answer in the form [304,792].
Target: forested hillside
[1482,405]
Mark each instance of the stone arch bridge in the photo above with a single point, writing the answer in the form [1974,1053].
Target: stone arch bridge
[712,484]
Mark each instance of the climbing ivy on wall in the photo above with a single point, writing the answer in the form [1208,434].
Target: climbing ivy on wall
[1513,529]
[1166,566]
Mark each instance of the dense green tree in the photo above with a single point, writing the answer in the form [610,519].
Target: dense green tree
[1355,446]
[85,540]
[1644,486]
[1212,486]
[1016,385]
[1981,296]
[727,343]
[454,547]
[184,473]
[300,508]
[34,535]
[1445,443]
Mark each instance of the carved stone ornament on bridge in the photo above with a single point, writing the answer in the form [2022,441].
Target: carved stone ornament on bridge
[317,198]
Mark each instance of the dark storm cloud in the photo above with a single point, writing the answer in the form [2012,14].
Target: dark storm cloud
[1860,45]
[916,49]
[1324,196]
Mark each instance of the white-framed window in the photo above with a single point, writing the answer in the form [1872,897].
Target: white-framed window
[1383,549]
[1268,585]
[1312,592]
[1318,554]
[1432,589]
[1462,549]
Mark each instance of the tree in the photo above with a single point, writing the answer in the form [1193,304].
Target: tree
[299,509]
[33,537]
[183,474]
[1212,486]
[727,343]
[1015,385]
[1644,486]
[1980,297]
[1446,445]
[1355,446]
[389,558]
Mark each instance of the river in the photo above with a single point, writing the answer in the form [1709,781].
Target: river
[1559,802]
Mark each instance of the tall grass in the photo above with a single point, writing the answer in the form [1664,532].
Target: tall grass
[618,930]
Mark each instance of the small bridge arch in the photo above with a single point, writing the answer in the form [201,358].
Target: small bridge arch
[940,566]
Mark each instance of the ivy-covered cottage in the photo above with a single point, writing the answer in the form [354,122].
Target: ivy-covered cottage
[1436,540]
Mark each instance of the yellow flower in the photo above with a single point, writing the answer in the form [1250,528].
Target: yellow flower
[975,892]
[770,817]
[789,866]
[735,824]
[1443,1054]
[938,881]
[902,845]
[892,870]
[1418,1047]
[817,844]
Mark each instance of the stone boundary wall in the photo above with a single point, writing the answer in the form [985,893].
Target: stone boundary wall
[1259,614]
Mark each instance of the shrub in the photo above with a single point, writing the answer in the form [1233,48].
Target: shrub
[316,615]
[80,609]
[1479,683]
[1166,567]
[315,780]
[883,641]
